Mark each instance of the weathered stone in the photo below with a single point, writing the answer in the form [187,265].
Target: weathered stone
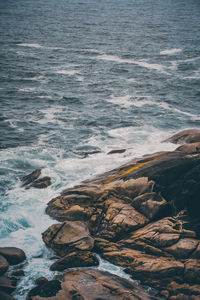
[119,219]
[68,237]
[90,284]
[5,296]
[74,260]
[3,265]
[150,204]
[185,136]
[13,255]
[41,183]
[48,289]
[144,266]
[190,148]
[6,285]
[31,177]
[183,248]
[41,280]
[192,270]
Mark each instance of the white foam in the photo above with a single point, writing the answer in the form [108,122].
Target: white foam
[124,101]
[27,89]
[141,63]
[38,46]
[50,115]
[171,51]
[67,72]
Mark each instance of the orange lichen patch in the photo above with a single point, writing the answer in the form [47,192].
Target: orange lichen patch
[135,167]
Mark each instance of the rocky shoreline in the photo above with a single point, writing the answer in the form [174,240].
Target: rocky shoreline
[143,216]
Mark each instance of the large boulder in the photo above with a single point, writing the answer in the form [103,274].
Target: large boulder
[90,284]
[68,237]
[13,255]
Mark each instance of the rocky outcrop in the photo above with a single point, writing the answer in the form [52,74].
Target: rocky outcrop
[143,216]
[4,265]
[33,180]
[91,284]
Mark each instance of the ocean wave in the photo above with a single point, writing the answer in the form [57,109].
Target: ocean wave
[171,51]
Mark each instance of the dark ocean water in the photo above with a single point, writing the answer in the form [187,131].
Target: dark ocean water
[84,76]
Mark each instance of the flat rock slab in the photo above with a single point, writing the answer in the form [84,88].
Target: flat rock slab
[185,136]
[91,284]
[13,255]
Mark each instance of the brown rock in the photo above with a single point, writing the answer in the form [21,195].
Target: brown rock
[116,151]
[48,289]
[183,248]
[190,148]
[68,237]
[3,265]
[90,284]
[6,285]
[5,296]
[41,280]
[119,219]
[13,255]
[74,260]
[41,183]
[185,136]
[150,204]
[192,270]
[31,177]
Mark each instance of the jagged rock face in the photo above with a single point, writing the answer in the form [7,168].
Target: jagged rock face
[91,284]
[143,216]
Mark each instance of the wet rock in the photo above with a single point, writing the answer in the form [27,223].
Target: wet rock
[13,255]
[31,177]
[5,296]
[190,148]
[41,280]
[116,151]
[18,273]
[3,265]
[74,260]
[90,284]
[68,237]
[41,183]
[6,285]
[185,136]
[48,289]
[32,180]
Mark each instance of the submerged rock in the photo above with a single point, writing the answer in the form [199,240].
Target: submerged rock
[31,180]
[5,296]
[6,285]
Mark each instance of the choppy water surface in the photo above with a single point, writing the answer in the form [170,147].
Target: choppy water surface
[82,76]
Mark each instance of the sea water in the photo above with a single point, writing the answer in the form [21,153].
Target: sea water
[83,76]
